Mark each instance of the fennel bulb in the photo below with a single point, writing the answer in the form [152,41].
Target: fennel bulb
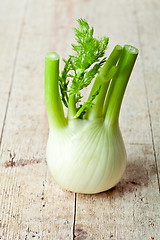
[86,156]
[85,151]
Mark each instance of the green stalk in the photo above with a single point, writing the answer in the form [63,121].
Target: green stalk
[71,107]
[102,80]
[71,101]
[119,83]
[52,97]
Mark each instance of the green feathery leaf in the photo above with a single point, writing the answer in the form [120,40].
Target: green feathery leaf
[80,69]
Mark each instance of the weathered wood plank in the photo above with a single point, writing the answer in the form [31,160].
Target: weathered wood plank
[130,210]
[11,19]
[148,19]
[21,201]
[57,212]
[32,205]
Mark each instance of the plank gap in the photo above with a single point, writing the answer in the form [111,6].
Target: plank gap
[43,201]
[74,214]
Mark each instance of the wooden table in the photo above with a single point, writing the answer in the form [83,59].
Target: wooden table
[32,205]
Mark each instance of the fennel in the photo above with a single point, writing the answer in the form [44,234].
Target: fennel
[85,150]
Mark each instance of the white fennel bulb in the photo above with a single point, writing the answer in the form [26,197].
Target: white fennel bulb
[87,156]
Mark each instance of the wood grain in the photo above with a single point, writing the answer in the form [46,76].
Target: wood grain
[32,205]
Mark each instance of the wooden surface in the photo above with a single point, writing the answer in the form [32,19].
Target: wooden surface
[32,205]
